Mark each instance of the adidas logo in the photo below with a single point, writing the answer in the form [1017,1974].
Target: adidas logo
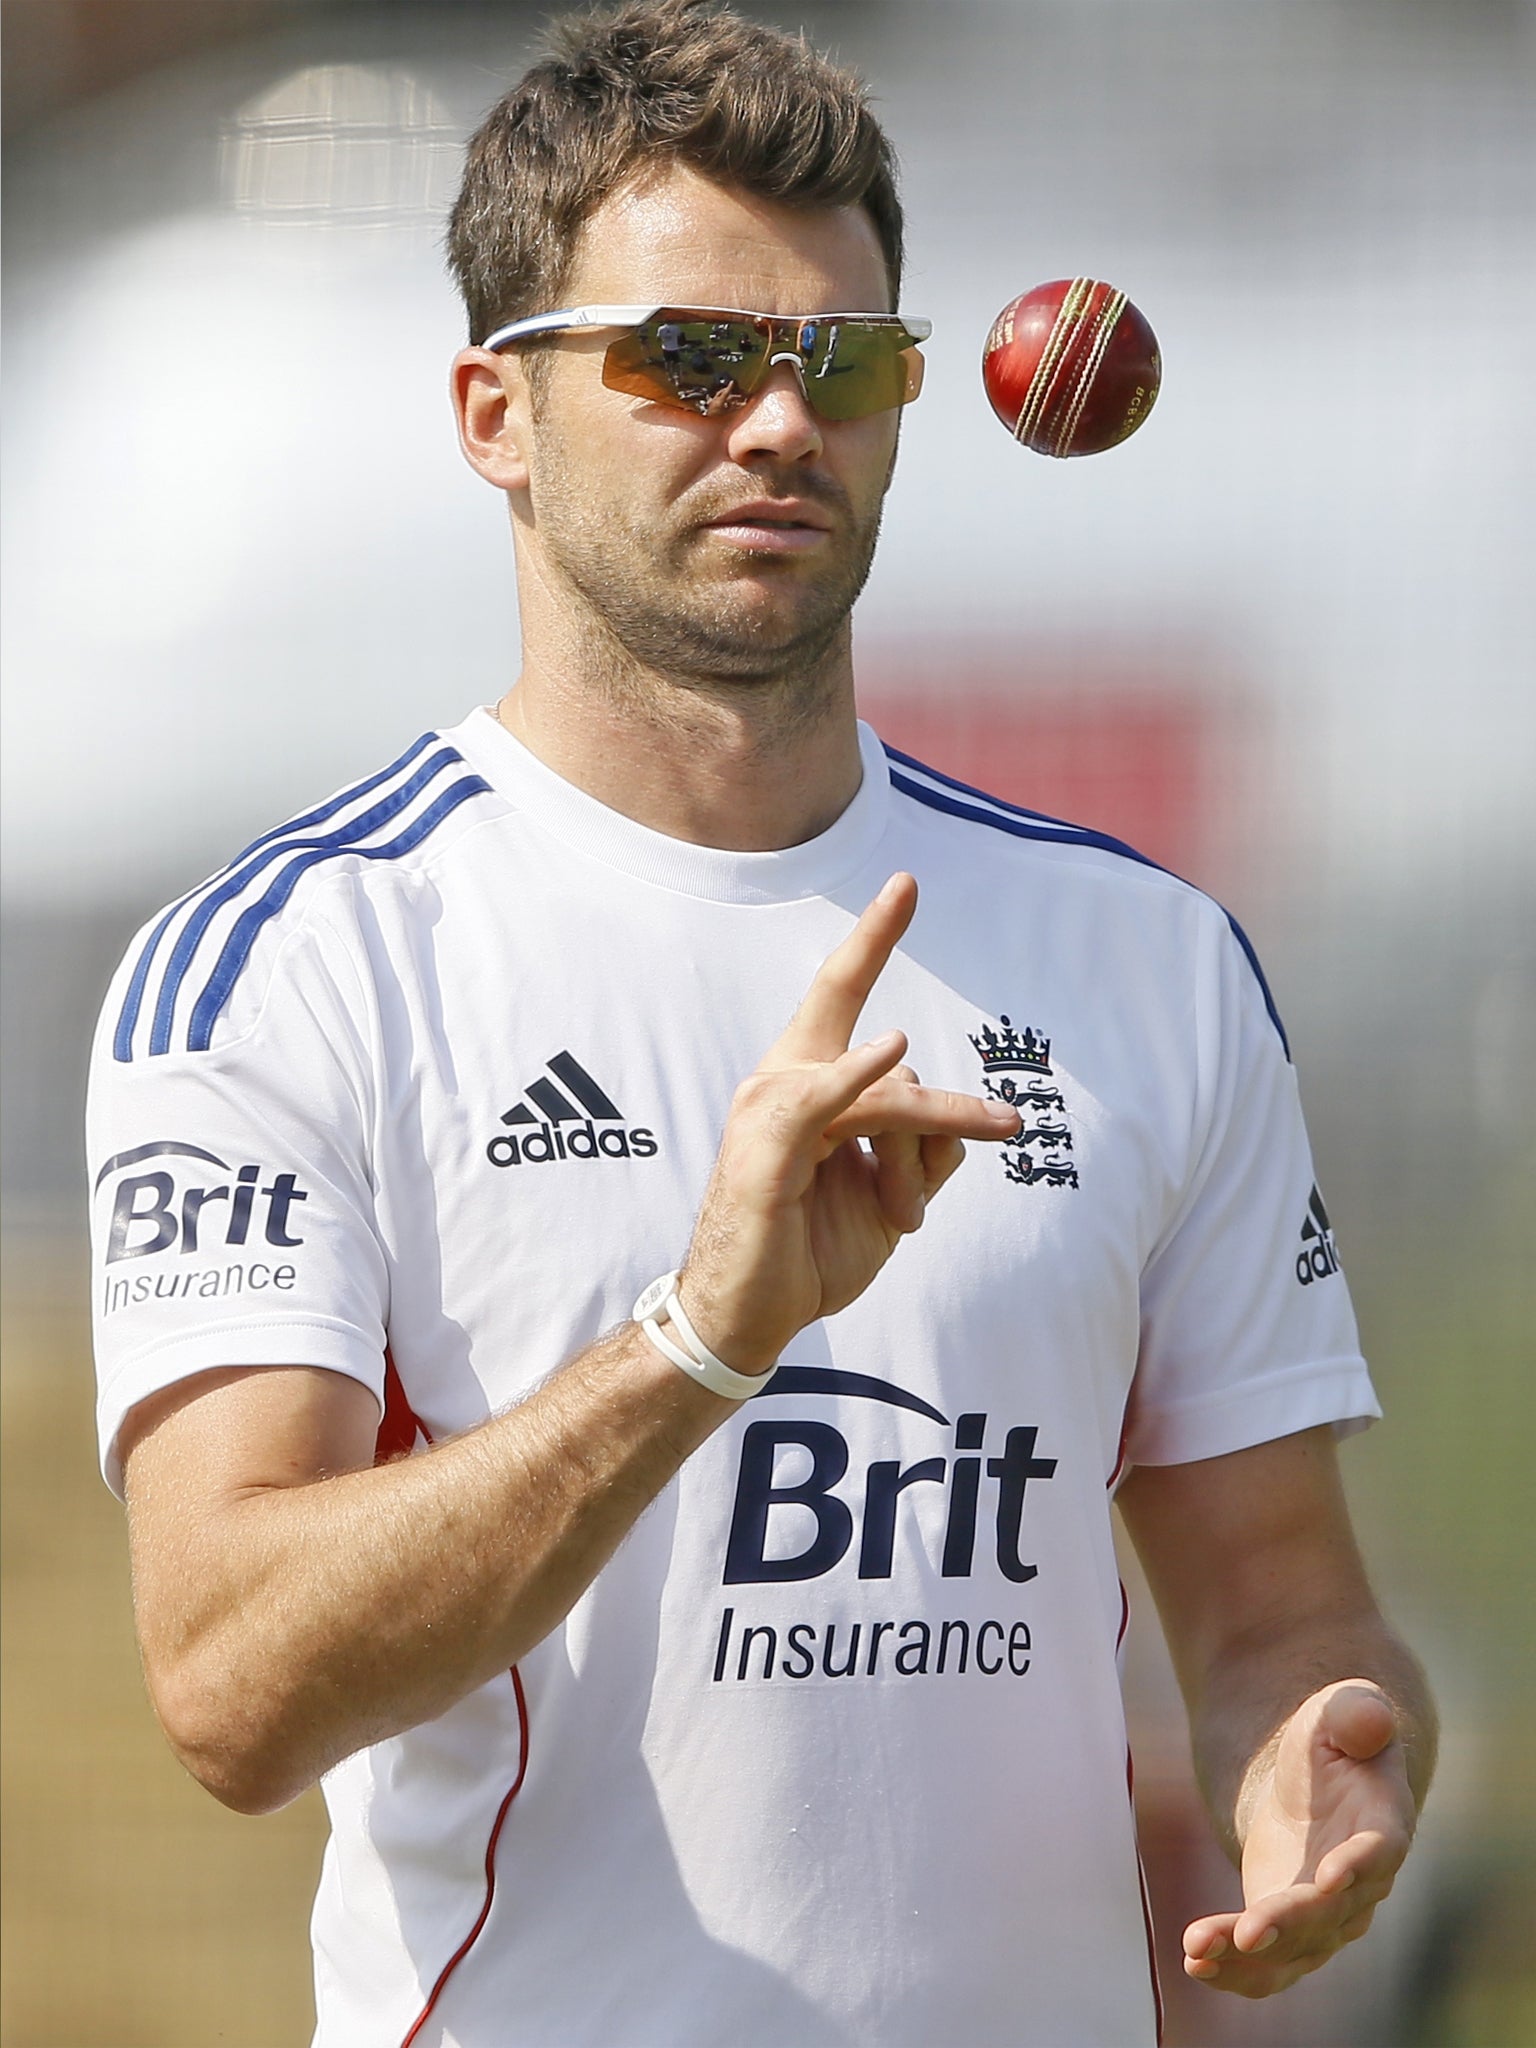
[574,1120]
[1319,1255]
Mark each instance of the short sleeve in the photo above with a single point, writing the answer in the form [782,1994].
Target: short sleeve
[231,1195]
[1247,1332]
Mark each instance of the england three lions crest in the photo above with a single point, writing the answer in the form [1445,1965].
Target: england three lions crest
[1016,1069]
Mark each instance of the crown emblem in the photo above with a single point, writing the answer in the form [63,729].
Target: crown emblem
[1009,1051]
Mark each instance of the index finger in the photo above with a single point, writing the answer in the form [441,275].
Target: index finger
[822,1027]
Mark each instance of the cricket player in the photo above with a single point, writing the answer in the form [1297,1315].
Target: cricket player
[640,1245]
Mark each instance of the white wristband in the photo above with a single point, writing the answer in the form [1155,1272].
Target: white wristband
[691,1356]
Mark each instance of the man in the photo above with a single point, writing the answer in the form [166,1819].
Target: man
[647,1712]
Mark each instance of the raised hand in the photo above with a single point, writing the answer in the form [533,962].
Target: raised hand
[799,1217]
[1329,1821]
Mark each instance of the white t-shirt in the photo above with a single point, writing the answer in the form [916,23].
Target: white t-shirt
[832,1752]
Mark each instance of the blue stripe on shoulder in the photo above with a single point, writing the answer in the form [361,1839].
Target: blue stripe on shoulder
[190,937]
[1036,825]
[237,947]
[127,1022]
[339,802]
[1014,810]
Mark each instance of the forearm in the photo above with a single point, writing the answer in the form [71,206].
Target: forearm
[320,1617]
[1242,1697]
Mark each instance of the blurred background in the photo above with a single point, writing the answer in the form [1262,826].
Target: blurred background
[1282,640]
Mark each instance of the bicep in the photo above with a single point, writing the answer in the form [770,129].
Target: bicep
[1245,1548]
[194,1451]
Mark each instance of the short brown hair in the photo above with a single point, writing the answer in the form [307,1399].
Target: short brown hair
[656,82]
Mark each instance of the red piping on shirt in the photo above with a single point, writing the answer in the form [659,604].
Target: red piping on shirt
[399,1427]
[1141,1868]
[1130,1778]
[1130,1774]
[484,1914]
[1114,1478]
[1146,1903]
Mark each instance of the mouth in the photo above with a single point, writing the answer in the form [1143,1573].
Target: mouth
[773,526]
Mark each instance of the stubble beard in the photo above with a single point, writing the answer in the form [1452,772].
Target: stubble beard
[657,610]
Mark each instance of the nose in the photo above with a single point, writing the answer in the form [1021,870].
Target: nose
[777,420]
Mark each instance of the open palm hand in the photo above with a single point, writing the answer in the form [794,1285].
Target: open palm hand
[1329,1822]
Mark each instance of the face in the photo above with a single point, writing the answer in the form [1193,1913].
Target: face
[728,548]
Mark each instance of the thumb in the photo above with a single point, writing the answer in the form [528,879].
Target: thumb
[1357,1719]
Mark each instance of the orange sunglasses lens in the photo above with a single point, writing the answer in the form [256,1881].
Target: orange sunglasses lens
[712,364]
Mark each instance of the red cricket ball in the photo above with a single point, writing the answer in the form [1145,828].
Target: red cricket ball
[1071,367]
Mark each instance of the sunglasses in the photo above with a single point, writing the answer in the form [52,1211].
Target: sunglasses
[711,360]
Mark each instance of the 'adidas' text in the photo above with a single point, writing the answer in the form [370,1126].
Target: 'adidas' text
[582,1141]
[579,1121]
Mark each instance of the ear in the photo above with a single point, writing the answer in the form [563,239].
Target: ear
[490,404]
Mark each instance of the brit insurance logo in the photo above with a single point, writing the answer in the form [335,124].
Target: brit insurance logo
[190,1225]
[803,1512]
[569,1116]
[1318,1258]
[1016,1069]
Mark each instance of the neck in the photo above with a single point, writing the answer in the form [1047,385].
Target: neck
[749,765]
